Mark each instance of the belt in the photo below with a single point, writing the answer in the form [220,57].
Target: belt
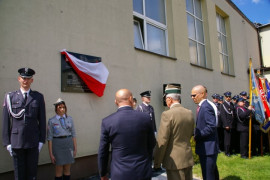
[62,136]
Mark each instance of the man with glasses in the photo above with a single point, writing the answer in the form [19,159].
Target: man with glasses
[205,133]
[227,115]
[24,126]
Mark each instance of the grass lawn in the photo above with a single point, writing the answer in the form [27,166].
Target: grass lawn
[236,168]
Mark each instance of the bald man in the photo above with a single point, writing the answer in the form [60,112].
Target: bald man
[205,133]
[131,137]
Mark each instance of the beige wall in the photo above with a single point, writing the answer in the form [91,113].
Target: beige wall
[265,43]
[32,33]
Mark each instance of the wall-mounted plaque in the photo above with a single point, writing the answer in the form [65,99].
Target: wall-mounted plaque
[70,81]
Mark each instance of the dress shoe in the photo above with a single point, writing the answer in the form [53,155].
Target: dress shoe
[157,169]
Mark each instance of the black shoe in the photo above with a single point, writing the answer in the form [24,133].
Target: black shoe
[244,157]
[228,155]
[157,169]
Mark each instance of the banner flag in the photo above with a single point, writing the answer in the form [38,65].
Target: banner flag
[263,98]
[256,99]
[267,90]
[265,127]
[94,75]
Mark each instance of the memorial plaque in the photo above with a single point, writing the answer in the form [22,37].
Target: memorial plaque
[70,81]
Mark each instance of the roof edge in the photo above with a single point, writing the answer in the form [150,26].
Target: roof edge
[241,13]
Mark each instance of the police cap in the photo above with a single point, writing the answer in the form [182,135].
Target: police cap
[243,93]
[26,72]
[215,96]
[146,94]
[228,94]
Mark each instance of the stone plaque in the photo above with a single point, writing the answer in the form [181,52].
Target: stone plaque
[70,81]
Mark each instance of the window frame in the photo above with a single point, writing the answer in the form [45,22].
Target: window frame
[224,63]
[148,21]
[198,61]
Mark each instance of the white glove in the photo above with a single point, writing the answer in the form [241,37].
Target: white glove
[40,146]
[9,149]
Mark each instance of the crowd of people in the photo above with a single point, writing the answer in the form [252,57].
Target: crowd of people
[233,126]
[130,141]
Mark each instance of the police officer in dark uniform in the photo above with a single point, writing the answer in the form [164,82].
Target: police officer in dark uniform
[227,118]
[219,125]
[24,126]
[220,99]
[147,108]
[243,95]
[234,100]
[243,115]
[235,140]
[256,132]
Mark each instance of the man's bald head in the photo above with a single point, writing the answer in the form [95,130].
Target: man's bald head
[198,93]
[123,97]
[200,89]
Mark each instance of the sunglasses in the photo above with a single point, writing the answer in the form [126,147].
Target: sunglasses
[193,95]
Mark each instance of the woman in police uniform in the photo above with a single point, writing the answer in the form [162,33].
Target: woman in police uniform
[61,141]
[243,115]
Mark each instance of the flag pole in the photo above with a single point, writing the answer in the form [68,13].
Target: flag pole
[250,102]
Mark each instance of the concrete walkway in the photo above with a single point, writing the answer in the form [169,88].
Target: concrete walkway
[156,176]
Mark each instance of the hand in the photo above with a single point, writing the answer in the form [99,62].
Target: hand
[52,159]
[9,149]
[40,146]
[227,128]
[104,178]
[74,153]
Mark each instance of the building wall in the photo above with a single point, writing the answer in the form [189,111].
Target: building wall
[33,32]
[265,43]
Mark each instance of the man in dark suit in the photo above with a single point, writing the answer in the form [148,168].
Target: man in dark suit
[205,133]
[24,126]
[147,108]
[131,137]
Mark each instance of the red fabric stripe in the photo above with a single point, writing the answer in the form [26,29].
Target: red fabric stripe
[94,85]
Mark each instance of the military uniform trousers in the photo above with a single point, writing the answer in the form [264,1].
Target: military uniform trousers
[179,174]
[227,141]
[25,163]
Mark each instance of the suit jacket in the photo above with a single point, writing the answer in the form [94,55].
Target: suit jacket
[149,110]
[173,141]
[206,132]
[227,114]
[131,137]
[28,130]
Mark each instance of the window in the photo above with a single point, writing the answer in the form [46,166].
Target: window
[222,44]
[150,29]
[195,32]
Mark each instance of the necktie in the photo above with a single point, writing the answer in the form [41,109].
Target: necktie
[62,122]
[25,98]
[198,109]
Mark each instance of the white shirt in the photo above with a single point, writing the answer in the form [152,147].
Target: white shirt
[22,91]
[145,104]
[214,107]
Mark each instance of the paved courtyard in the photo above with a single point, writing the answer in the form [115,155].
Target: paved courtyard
[156,176]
